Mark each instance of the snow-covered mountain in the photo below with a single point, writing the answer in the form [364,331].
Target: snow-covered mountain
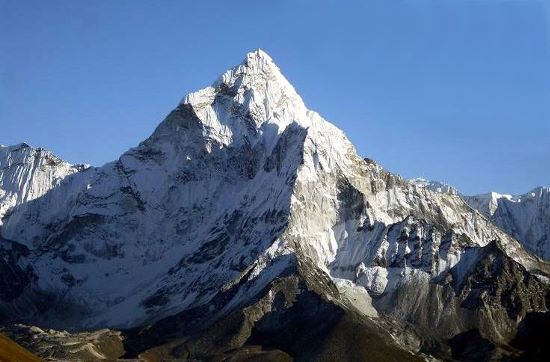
[248,219]
[526,217]
[435,186]
[27,173]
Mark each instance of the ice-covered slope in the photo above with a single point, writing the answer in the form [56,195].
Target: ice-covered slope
[173,220]
[242,194]
[526,217]
[27,173]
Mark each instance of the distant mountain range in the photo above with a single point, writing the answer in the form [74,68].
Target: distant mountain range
[526,217]
[246,227]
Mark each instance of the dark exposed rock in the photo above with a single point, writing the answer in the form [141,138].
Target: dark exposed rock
[532,337]
[499,282]
[293,317]
[471,346]
[352,200]
[14,278]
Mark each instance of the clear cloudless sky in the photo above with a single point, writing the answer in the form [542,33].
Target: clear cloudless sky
[451,90]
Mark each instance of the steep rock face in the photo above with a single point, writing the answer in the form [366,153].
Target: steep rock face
[526,217]
[242,186]
[399,240]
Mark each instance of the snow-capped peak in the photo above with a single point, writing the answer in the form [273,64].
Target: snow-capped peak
[27,173]
[251,99]
[435,186]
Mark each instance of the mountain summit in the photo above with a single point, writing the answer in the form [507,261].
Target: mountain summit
[246,219]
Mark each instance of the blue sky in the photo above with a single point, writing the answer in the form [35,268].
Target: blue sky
[457,91]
